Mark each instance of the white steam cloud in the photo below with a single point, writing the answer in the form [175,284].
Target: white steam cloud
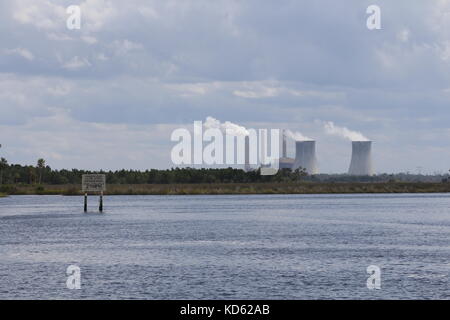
[227,126]
[332,129]
[297,136]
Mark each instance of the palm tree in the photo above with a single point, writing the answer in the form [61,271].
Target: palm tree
[3,166]
[40,166]
[31,174]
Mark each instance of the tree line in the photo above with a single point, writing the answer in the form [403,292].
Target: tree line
[41,173]
[44,174]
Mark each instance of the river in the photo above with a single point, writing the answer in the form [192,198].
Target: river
[226,247]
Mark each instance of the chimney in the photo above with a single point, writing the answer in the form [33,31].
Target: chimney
[305,156]
[361,164]
[284,151]
[247,154]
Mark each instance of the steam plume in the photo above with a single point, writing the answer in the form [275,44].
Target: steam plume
[297,136]
[332,129]
[227,126]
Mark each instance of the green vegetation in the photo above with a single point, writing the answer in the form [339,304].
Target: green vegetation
[14,174]
[41,179]
[3,166]
[40,166]
[42,174]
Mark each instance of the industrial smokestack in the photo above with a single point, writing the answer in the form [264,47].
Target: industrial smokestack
[284,153]
[247,154]
[305,156]
[361,164]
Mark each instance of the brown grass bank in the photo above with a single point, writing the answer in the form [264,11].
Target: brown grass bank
[241,188]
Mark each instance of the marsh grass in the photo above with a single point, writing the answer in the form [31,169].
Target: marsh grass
[239,188]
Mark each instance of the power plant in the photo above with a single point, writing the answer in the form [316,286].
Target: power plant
[247,167]
[361,163]
[257,145]
[305,156]
[285,162]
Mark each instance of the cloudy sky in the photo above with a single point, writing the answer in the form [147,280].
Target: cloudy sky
[110,94]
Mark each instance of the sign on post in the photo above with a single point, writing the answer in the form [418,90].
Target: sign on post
[93,182]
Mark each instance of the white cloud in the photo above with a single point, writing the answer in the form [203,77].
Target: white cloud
[150,61]
[96,14]
[58,36]
[122,47]
[89,39]
[271,89]
[59,90]
[102,57]
[192,89]
[262,93]
[43,14]
[76,63]
[24,53]
[444,51]
[67,143]
[148,12]
[403,35]
[48,15]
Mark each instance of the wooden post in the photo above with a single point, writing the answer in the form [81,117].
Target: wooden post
[93,183]
[101,202]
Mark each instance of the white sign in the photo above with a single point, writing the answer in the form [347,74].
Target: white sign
[93,182]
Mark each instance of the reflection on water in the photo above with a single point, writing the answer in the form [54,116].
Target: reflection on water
[226,247]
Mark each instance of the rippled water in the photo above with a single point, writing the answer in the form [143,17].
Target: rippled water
[226,247]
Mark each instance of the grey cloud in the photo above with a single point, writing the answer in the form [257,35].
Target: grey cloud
[139,63]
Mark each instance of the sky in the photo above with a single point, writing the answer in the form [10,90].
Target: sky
[110,94]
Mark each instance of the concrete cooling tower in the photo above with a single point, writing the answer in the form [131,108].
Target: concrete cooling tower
[305,156]
[361,164]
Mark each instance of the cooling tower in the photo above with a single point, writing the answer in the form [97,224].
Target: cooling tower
[284,151]
[305,156]
[361,164]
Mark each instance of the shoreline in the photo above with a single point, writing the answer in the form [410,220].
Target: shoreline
[238,188]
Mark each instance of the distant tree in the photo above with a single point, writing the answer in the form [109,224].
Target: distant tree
[41,173]
[40,166]
[31,174]
[299,173]
[3,166]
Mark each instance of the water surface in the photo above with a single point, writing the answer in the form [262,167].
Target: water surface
[226,247]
